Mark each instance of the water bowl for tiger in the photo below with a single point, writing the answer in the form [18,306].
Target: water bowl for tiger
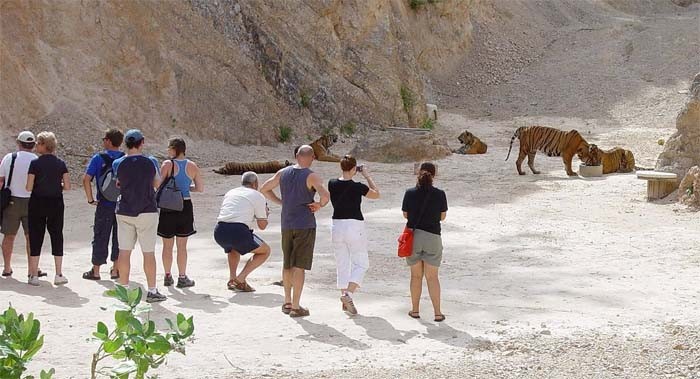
[590,171]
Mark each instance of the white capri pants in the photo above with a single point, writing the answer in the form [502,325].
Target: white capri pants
[349,243]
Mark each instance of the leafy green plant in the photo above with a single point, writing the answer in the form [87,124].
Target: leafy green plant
[689,191]
[19,343]
[428,123]
[134,343]
[304,99]
[348,128]
[285,134]
[407,98]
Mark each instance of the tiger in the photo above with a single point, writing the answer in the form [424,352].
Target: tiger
[551,141]
[471,144]
[616,159]
[238,168]
[321,147]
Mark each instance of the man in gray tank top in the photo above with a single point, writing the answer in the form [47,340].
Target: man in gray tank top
[298,186]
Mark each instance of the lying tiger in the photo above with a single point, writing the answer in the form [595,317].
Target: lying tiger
[471,144]
[553,142]
[238,168]
[321,147]
[616,159]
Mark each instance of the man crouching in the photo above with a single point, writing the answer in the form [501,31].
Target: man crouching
[242,207]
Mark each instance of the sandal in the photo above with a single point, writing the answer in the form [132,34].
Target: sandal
[301,312]
[114,274]
[439,318]
[286,308]
[90,275]
[7,273]
[231,284]
[241,286]
[414,314]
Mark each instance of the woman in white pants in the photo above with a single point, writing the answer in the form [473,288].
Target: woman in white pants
[348,231]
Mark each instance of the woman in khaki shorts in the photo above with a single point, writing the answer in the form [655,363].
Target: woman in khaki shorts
[424,206]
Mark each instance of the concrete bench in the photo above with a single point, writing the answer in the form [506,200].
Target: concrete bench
[659,184]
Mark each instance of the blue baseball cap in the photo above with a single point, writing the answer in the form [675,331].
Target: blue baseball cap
[133,135]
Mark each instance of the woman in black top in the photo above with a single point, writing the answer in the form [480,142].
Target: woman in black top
[424,206]
[48,178]
[348,231]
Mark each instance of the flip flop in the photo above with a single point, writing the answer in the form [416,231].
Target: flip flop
[286,308]
[7,273]
[439,318]
[414,314]
[114,276]
[90,275]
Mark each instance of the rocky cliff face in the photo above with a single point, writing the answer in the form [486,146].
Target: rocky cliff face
[226,69]
[682,150]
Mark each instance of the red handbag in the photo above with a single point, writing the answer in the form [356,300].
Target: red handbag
[406,243]
[406,237]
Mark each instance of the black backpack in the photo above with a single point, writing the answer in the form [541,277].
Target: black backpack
[107,182]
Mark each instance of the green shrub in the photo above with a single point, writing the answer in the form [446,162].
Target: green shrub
[428,123]
[285,134]
[135,343]
[19,343]
[415,4]
[348,128]
[304,99]
[407,98]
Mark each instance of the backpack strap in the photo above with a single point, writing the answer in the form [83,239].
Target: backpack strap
[108,160]
[12,169]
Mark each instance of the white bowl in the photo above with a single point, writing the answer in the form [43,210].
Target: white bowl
[590,171]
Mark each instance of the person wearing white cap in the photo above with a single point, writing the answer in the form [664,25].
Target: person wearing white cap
[13,175]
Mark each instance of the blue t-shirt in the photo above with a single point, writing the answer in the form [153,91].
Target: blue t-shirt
[94,169]
[135,174]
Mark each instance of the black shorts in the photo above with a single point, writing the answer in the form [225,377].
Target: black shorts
[177,223]
[236,236]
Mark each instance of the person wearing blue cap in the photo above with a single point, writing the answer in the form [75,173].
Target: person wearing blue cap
[137,213]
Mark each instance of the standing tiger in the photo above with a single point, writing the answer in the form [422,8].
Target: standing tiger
[616,159]
[238,168]
[321,147]
[553,142]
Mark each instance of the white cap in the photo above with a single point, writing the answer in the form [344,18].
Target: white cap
[26,136]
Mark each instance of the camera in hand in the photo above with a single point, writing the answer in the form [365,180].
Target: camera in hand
[360,167]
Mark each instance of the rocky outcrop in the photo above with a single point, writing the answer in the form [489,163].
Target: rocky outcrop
[682,150]
[400,146]
[229,69]
[689,189]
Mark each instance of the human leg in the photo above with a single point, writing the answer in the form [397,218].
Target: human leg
[101,231]
[233,259]
[8,241]
[37,228]
[416,285]
[167,256]
[260,255]
[54,225]
[181,255]
[297,277]
[431,277]
[127,241]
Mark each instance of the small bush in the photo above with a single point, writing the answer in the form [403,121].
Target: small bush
[285,134]
[348,128]
[304,99]
[135,343]
[19,343]
[428,123]
[415,4]
[407,98]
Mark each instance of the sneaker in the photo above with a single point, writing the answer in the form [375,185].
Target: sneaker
[184,281]
[349,306]
[154,297]
[33,281]
[168,280]
[60,279]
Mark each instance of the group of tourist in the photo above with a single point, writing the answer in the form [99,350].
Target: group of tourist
[126,212]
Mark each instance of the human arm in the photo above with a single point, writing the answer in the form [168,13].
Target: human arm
[443,215]
[30,182]
[373,192]
[66,181]
[405,215]
[261,211]
[314,181]
[195,173]
[268,187]
[156,176]
[87,186]
[443,209]
[262,224]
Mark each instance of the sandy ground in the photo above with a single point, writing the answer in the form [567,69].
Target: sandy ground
[533,265]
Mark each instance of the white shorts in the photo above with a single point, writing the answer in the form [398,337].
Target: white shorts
[143,227]
[349,241]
